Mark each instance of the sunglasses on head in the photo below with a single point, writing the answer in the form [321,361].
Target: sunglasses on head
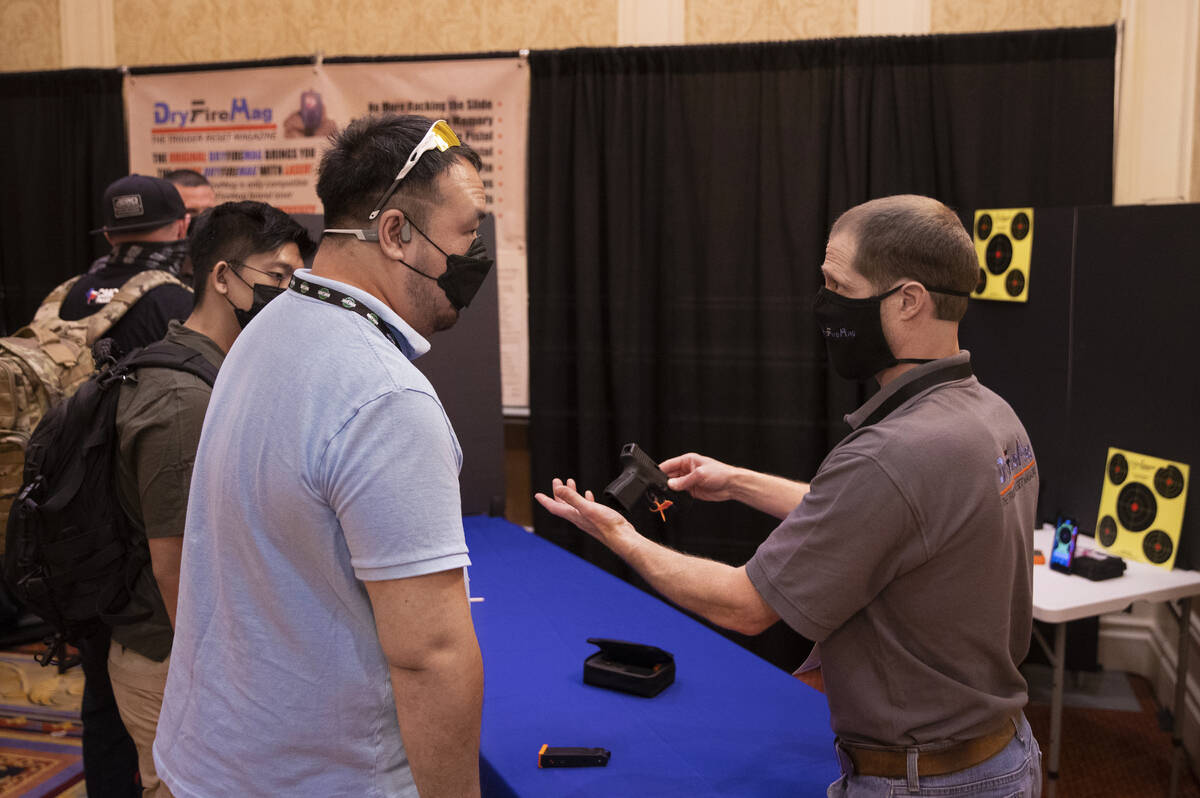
[438,137]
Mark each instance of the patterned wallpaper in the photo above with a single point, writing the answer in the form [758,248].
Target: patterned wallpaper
[29,35]
[1194,192]
[961,16]
[156,32]
[710,21]
[182,31]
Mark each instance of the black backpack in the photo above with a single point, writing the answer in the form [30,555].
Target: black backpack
[72,555]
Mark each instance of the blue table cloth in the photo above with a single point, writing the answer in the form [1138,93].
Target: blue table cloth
[731,724]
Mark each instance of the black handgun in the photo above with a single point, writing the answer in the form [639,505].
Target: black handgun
[640,478]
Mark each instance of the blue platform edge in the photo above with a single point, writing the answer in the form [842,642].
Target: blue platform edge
[732,724]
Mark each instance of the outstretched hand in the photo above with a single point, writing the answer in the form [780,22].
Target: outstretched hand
[703,477]
[601,522]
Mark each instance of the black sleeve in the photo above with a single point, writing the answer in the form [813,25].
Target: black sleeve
[146,322]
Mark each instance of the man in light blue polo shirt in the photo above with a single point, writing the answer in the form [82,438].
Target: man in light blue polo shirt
[322,611]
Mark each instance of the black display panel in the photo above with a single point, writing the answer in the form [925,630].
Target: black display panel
[1021,351]
[1104,352]
[1136,330]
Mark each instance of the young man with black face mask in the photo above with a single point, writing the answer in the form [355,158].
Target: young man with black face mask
[909,557]
[324,575]
[146,223]
[244,254]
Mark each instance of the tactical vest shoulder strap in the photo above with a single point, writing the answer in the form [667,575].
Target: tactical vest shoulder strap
[47,312]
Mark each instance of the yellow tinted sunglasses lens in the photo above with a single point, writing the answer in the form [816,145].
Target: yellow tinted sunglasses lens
[444,136]
[439,137]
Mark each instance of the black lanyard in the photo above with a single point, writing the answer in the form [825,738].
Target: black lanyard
[344,301]
[906,392]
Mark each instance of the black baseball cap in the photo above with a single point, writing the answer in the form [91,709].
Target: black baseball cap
[139,202]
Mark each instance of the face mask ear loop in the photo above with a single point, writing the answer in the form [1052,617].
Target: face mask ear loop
[418,271]
[234,265]
[233,270]
[888,293]
[408,221]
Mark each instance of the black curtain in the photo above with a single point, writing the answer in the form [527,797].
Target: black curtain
[64,142]
[679,200]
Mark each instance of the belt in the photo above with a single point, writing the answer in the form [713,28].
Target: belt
[893,763]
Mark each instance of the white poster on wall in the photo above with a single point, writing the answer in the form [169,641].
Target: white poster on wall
[259,134]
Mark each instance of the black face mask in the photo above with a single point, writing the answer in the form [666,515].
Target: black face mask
[262,295]
[464,273]
[853,331]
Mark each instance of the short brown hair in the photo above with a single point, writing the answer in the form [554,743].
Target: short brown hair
[910,237]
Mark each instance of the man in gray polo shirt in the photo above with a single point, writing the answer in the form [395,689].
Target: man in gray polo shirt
[908,559]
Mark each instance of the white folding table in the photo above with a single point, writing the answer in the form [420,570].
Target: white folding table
[1058,598]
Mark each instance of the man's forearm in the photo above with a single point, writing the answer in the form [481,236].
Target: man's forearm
[716,591]
[439,708]
[168,587]
[166,554]
[767,493]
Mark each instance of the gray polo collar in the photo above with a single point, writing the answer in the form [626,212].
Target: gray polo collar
[856,418]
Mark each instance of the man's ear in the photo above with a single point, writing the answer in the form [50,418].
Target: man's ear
[914,299]
[395,233]
[220,277]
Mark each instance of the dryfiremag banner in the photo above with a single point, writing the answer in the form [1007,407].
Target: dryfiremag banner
[259,133]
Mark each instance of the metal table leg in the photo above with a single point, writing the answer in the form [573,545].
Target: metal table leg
[1056,699]
[1185,613]
[1058,659]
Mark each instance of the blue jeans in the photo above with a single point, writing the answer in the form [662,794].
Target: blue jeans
[1015,772]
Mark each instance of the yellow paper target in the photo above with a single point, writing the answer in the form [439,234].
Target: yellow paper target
[1003,242]
[1141,507]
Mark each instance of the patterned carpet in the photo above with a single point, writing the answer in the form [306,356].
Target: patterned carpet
[1108,753]
[40,752]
